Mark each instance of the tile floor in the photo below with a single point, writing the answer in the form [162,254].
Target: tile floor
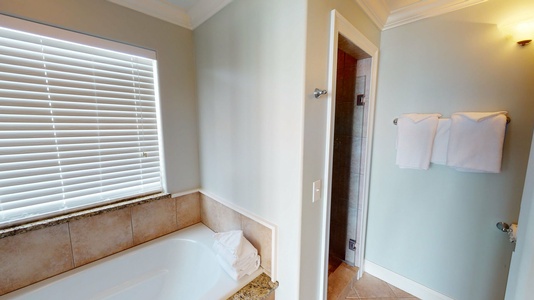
[342,284]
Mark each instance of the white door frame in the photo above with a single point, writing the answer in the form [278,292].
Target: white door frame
[340,25]
[521,271]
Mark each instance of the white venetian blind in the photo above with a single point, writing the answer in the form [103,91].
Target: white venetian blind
[77,126]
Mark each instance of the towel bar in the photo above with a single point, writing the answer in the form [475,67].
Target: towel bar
[508,120]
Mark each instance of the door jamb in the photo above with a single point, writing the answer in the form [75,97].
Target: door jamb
[340,25]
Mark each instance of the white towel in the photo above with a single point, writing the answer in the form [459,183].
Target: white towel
[415,136]
[476,141]
[441,142]
[235,253]
[247,253]
[231,240]
[237,274]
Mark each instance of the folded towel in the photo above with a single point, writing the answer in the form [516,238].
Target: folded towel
[237,274]
[235,253]
[441,142]
[476,141]
[230,240]
[247,252]
[415,136]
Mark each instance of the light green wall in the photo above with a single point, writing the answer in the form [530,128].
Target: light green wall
[437,227]
[262,134]
[250,65]
[175,54]
[258,63]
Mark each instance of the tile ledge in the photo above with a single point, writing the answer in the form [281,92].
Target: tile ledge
[258,289]
[81,214]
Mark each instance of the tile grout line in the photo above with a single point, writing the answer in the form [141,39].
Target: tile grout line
[392,291]
[176,214]
[132,227]
[71,246]
[352,286]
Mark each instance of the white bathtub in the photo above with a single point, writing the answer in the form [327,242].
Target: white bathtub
[181,265]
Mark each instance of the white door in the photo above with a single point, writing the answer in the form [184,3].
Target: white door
[521,275]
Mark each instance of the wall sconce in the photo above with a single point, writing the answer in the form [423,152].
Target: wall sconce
[522,31]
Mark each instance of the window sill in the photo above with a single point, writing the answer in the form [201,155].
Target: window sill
[71,216]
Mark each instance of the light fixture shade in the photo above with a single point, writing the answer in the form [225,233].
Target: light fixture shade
[520,31]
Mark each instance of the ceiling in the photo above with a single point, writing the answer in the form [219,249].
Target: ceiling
[185,13]
[385,14]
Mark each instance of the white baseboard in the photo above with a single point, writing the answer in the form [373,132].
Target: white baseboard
[403,283]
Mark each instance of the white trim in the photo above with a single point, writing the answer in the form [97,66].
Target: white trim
[385,18]
[403,283]
[340,25]
[377,10]
[180,194]
[327,186]
[262,221]
[162,167]
[426,9]
[350,32]
[519,284]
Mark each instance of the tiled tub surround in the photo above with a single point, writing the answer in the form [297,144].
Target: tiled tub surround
[38,250]
[179,265]
[219,217]
[69,217]
[30,254]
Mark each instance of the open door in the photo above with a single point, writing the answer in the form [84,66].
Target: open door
[521,274]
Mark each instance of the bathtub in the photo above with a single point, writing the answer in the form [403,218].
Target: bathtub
[181,265]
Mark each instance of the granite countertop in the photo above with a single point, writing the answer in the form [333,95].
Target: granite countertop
[258,289]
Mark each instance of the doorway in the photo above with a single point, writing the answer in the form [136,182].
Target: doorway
[349,140]
[348,161]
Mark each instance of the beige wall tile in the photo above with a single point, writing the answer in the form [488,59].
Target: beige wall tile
[260,237]
[33,256]
[221,218]
[188,210]
[101,235]
[217,216]
[153,219]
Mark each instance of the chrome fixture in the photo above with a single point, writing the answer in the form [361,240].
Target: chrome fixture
[318,93]
[503,227]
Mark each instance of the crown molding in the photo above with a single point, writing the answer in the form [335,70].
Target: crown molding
[426,9]
[377,10]
[385,18]
[164,10]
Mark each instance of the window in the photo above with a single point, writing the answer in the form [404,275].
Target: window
[78,121]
